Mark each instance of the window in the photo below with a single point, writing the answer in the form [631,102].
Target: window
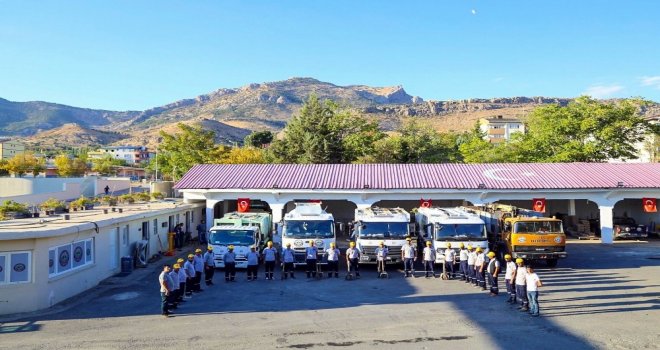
[514,126]
[70,257]
[15,267]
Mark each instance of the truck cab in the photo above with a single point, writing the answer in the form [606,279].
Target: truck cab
[451,225]
[373,225]
[307,221]
[535,238]
[241,237]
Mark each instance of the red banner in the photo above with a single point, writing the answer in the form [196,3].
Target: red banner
[538,205]
[650,205]
[424,203]
[243,205]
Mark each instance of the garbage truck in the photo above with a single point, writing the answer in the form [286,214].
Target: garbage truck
[450,225]
[242,230]
[307,221]
[372,225]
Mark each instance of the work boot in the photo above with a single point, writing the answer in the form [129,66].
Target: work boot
[292,276]
[309,274]
[314,274]
[336,274]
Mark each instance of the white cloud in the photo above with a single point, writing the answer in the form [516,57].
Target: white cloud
[474,12]
[651,81]
[603,91]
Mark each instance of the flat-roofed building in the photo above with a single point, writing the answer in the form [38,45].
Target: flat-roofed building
[10,148]
[499,129]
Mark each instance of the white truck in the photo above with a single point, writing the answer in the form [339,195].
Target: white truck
[307,221]
[242,230]
[450,225]
[373,225]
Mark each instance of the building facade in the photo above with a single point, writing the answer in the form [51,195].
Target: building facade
[131,154]
[9,148]
[500,129]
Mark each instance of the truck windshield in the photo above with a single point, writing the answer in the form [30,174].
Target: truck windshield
[391,230]
[236,237]
[309,229]
[537,227]
[460,231]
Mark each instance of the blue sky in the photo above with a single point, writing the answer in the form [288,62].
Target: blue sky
[122,55]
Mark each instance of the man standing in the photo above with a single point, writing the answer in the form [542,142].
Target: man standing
[270,259]
[493,270]
[182,281]
[106,190]
[201,233]
[480,268]
[178,236]
[533,282]
[164,291]
[429,259]
[463,263]
[209,265]
[352,259]
[174,277]
[409,256]
[450,257]
[311,255]
[521,285]
[288,256]
[472,258]
[381,259]
[198,263]
[508,276]
[189,268]
[333,260]
[230,264]
[252,264]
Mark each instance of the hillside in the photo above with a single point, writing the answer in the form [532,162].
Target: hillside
[72,135]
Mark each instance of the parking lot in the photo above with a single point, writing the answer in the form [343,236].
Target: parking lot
[600,297]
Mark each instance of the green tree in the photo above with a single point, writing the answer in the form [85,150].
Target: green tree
[258,139]
[323,133]
[104,166]
[244,155]
[67,167]
[24,163]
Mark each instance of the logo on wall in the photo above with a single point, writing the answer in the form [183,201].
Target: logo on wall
[558,239]
[64,258]
[424,203]
[243,205]
[650,205]
[19,267]
[77,254]
[538,204]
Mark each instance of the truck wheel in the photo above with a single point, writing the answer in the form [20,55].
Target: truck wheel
[551,262]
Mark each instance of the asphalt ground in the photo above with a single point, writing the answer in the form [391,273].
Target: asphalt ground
[601,297]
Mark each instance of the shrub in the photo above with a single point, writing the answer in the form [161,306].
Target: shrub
[157,195]
[11,206]
[108,200]
[142,196]
[52,204]
[127,198]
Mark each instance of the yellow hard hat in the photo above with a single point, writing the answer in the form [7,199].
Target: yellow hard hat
[190,256]
[462,245]
[448,245]
[289,244]
[507,256]
[333,244]
[352,244]
[253,247]
[408,239]
[180,260]
[381,243]
[491,254]
[176,266]
[469,246]
[210,247]
[479,250]
[270,243]
[231,247]
[428,243]
[519,261]
[198,250]
[311,241]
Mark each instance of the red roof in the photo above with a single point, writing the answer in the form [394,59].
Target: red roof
[422,176]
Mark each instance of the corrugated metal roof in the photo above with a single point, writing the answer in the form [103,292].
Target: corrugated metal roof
[422,176]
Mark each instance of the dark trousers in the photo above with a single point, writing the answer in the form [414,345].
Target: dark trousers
[428,268]
[353,266]
[463,270]
[230,271]
[521,295]
[178,240]
[209,271]
[287,268]
[181,290]
[333,267]
[481,278]
[492,281]
[470,273]
[252,272]
[449,269]
[164,309]
[380,266]
[190,285]
[408,266]
[311,267]
[270,267]
[201,235]
[510,291]
[171,299]
[198,280]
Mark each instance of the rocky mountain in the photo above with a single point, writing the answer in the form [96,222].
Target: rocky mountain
[72,135]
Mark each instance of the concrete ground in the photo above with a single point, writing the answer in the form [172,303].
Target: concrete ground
[601,297]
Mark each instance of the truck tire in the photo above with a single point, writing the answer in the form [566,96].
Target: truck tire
[551,262]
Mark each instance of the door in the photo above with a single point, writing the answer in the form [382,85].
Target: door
[145,234]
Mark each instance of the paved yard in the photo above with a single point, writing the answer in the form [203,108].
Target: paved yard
[600,297]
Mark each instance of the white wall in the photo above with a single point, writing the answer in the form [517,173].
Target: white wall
[33,191]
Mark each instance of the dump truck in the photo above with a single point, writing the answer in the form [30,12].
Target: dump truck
[523,233]
[307,221]
[242,230]
[373,225]
[450,225]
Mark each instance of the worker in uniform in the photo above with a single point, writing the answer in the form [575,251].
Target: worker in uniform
[198,262]
[230,264]
[164,291]
[493,269]
[428,258]
[311,255]
[333,260]
[520,278]
[190,274]
[508,279]
[409,256]
[171,299]
[182,281]
[533,282]
[381,258]
[209,265]
[471,259]
[450,258]
[288,257]
[463,263]
[252,264]
[270,258]
[480,268]
[178,236]
[174,276]
[353,259]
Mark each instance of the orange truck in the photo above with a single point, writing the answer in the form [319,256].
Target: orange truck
[523,233]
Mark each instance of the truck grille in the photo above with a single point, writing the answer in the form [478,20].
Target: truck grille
[538,249]
[394,250]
